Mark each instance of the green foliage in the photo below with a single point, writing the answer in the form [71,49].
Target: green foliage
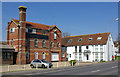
[117,57]
[74,62]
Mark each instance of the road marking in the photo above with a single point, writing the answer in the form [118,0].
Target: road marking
[28,74]
[114,66]
[96,71]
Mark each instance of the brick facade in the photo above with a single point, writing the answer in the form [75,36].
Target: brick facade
[20,36]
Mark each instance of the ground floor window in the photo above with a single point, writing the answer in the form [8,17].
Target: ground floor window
[96,56]
[101,56]
[27,56]
[63,55]
[6,55]
[36,55]
[43,54]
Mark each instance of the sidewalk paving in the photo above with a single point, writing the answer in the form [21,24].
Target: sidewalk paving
[12,68]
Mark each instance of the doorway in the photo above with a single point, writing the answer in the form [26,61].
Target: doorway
[87,57]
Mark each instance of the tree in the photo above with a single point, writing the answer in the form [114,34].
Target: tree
[65,34]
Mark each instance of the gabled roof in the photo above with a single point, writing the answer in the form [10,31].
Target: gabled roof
[85,39]
[35,25]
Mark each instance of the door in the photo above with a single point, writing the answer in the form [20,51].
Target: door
[14,57]
[54,57]
[87,57]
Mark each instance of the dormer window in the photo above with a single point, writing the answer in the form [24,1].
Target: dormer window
[90,39]
[99,38]
[80,40]
[70,40]
[33,30]
[12,30]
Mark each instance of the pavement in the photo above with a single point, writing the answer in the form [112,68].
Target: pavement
[100,69]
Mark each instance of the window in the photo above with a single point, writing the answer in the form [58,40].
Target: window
[90,39]
[96,46]
[12,30]
[70,40]
[76,49]
[70,55]
[27,42]
[101,46]
[99,38]
[43,43]
[36,55]
[80,40]
[63,55]
[6,55]
[36,43]
[58,45]
[96,49]
[55,35]
[33,30]
[87,47]
[79,48]
[27,55]
[51,44]
[26,29]
[64,48]
[43,32]
[43,54]
[12,42]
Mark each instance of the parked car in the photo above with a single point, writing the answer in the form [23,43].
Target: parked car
[40,63]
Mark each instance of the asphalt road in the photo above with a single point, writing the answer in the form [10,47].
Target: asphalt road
[108,68]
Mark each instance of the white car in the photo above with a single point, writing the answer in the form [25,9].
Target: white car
[40,63]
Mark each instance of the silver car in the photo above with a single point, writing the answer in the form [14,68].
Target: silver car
[40,63]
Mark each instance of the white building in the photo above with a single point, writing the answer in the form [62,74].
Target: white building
[89,48]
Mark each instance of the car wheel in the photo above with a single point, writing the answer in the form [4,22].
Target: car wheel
[43,66]
[32,66]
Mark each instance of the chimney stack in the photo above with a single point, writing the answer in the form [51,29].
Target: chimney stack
[22,13]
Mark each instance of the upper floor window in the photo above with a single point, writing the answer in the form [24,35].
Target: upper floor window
[75,48]
[58,44]
[70,40]
[12,42]
[90,39]
[55,35]
[101,46]
[51,44]
[26,29]
[33,30]
[80,40]
[63,55]
[79,48]
[43,32]
[26,42]
[99,38]
[12,30]
[43,43]
[36,43]
[87,47]
[96,46]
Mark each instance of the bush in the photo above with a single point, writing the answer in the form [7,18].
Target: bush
[74,62]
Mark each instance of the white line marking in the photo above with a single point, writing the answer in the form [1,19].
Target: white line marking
[114,66]
[96,71]
[28,74]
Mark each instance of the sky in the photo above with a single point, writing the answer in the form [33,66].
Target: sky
[77,18]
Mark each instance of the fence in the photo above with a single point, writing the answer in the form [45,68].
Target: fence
[7,68]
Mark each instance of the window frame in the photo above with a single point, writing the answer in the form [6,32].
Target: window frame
[36,43]
[12,30]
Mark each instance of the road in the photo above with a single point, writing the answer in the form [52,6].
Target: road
[108,68]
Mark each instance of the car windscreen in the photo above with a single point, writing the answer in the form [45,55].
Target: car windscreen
[44,61]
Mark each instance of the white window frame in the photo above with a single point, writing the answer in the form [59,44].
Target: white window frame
[12,30]
[34,30]
[99,38]
[63,55]
[55,35]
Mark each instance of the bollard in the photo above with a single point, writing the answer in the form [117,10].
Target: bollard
[24,67]
[72,63]
[65,64]
[36,66]
[57,64]
[8,68]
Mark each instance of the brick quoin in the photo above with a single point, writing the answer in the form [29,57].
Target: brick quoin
[20,36]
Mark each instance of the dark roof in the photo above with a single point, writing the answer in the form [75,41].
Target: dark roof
[85,39]
[35,25]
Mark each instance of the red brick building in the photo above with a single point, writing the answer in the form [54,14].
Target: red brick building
[33,40]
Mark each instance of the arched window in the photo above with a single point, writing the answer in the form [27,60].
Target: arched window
[58,44]
[36,44]
[12,42]
[43,43]
[43,55]
[55,35]
[51,44]
[36,55]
